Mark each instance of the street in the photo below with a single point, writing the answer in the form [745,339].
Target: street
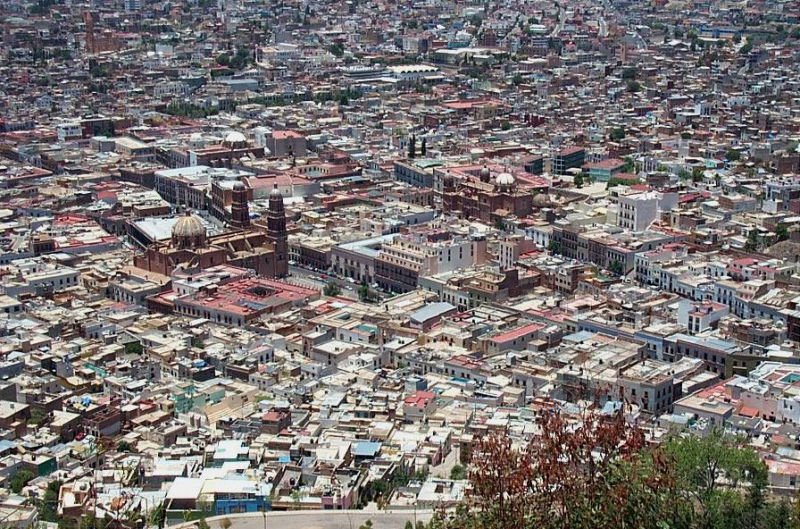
[311,279]
[316,520]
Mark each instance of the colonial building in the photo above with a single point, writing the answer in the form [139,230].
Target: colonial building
[264,250]
[475,193]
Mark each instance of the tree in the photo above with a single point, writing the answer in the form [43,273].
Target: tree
[779,516]
[336,49]
[616,181]
[49,502]
[591,474]
[37,417]
[363,292]
[629,73]
[617,133]
[713,471]
[616,268]
[408,525]
[578,181]
[630,165]
[753,240]
[423,148]
[159,516]
[747,47]
[458,472]
[554,247]
[133,348]
[19,479]
[634,86]
[781,232]
[733,155]
[412,146]
[332,289]
[124,446]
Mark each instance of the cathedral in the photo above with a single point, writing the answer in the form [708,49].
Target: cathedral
[264,249]
[475,193]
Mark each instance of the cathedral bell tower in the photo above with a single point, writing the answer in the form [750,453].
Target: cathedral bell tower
[276,232]
[240,210]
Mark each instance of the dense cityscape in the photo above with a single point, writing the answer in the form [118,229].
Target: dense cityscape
[434,263]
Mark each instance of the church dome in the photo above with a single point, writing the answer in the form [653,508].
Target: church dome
[235,139]
[505,179]
[188,226]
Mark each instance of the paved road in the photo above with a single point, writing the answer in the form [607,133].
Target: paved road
[317,520]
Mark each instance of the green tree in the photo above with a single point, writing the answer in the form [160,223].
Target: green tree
[781,232]
[753,240]
[336,49]
[19,479]
[554,247]
[634,86]
[733,155]
[630,165]
[713,471]
[331,289]
[37,417]
[133,348]
[124,446]
[159,516]
[364,293]
[578,180]
[408,525]
[617,133]
[458,472]
[46,506]
[616,181]
[629,73]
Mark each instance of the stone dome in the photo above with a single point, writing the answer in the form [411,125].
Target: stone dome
[235,139]
[188,226]
[505,179]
